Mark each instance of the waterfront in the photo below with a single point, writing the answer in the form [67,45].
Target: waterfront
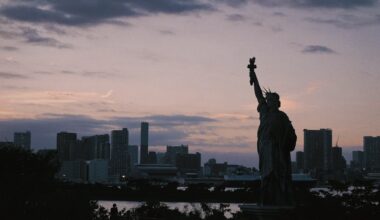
[184,207]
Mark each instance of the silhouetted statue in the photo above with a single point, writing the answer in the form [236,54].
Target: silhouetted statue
[114,213]
[276,139]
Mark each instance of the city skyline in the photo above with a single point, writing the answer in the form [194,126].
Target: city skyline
[181,66]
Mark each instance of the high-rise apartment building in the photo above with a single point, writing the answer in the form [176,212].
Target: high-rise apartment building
[144,143]
[22,139]
[317,149]
[372,153]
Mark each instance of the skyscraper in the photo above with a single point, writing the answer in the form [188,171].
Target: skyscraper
[317,149]
[66,144]
[22,139]
[338,161]
[144,143]
[96,147]
[119,154]
[120,138]
[372,153]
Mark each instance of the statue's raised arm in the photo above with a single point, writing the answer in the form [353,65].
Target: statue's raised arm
[254,81]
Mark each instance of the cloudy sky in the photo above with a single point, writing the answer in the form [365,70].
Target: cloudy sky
[90,66]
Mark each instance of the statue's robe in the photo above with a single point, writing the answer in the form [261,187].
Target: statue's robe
[276,139]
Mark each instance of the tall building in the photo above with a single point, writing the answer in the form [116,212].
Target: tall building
[119,138]
[66,145]
[144,143]
[357,159]
[372,153]
[96,147]
[173,151]
[119,153]
[300,161]
[22,139]
[338,161]
[317,149]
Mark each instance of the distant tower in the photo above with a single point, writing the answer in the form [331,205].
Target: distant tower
[317,149]
[144,143]
[22,139]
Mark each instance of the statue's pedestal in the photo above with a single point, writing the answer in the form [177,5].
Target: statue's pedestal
[257,212]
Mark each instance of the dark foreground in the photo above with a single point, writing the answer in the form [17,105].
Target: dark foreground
[29,190]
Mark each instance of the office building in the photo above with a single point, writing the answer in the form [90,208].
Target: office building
[372,153]
[74,171]
[338,161]
[133,155]
[96,147]
[161,158]
[22,139]
[97,171]
[357,159]
[66,146]
[189,163]
[300,161]
[173,151]
[144,144]
[213,169]
[119,153]
[152,157]
[317,149]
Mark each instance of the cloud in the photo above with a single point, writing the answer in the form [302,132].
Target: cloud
[108,94]
[163,128]
[32,36]
[9,48]
[348,21]
[167,32]
[236,17]
[80,13]
[5,75]
[233,3]
[94,74]
[279,14]
[318,49]
[317,3]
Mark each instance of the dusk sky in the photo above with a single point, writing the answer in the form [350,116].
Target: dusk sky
[91,66]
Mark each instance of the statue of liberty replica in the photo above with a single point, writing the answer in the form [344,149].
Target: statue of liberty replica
[276,138]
